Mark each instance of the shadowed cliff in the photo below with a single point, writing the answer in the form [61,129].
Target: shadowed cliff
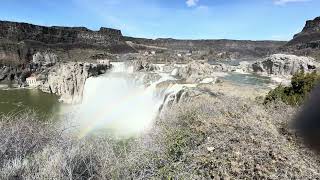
[307,42]
[234,49]
[20,41]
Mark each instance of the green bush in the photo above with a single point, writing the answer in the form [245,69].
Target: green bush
[301,85]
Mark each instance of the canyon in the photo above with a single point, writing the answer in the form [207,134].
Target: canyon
[149,108]
[307,42]
[61,59]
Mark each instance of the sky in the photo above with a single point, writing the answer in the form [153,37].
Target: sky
[180,19]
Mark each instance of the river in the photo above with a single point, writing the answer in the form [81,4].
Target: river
[17,100]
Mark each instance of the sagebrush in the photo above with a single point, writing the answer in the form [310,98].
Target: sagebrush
[301,86]
[206,138]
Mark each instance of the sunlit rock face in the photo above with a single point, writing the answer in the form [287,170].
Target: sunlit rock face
[195,72]
[140,65]
[310,33]
[67,80]
[44,59]
[285,65]
[19,42]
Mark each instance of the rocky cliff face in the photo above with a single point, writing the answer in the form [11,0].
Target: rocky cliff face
[285,65]
[195,72]
[67,80]
[218,49]
[39,62]
[307,42]
[52,35]
[310,32]
[18,73]
[20,41]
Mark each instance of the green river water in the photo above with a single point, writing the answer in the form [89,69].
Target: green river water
[17,100]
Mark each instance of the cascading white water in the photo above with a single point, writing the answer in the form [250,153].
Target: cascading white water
[119,102]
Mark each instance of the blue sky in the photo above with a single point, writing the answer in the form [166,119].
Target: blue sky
[182,19]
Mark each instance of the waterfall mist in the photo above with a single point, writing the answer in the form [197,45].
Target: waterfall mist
[118,102]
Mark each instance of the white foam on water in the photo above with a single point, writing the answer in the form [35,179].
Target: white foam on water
[240,71]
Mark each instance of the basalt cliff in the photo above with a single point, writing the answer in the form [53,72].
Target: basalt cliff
[307,42]
[26,48]
[20,41]
[67,80]
[220,49]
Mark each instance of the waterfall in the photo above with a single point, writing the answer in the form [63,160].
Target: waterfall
[119,102]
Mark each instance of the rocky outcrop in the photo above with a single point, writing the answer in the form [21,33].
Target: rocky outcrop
[52,35]
[44,59]
[17,74]
[243,67]
[220,49]
[307,42]
[19,42]
[67,80]
[141,65]
[310,33]
[284,65]
[195,72]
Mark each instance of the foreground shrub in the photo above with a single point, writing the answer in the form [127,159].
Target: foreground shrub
[301,86]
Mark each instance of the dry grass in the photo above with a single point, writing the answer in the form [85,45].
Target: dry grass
[207,138]
[234,138]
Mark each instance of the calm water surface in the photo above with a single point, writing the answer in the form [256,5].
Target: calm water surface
[248,79]
[15,100]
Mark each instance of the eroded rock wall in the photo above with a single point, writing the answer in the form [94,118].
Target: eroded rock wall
[20,41]
[67,80]
[285,65]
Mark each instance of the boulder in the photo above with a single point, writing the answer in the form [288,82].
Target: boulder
[195,72]
[141,65]
[243,67]
[284,65]
[222,67]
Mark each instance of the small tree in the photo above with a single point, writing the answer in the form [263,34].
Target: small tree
[301,85]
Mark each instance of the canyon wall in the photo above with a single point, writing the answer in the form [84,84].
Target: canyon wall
[20,41]
[307,42]
[223,48]
[67,80]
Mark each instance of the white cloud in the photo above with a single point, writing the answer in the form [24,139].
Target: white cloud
[192,3]
[202,7]
[284,2]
